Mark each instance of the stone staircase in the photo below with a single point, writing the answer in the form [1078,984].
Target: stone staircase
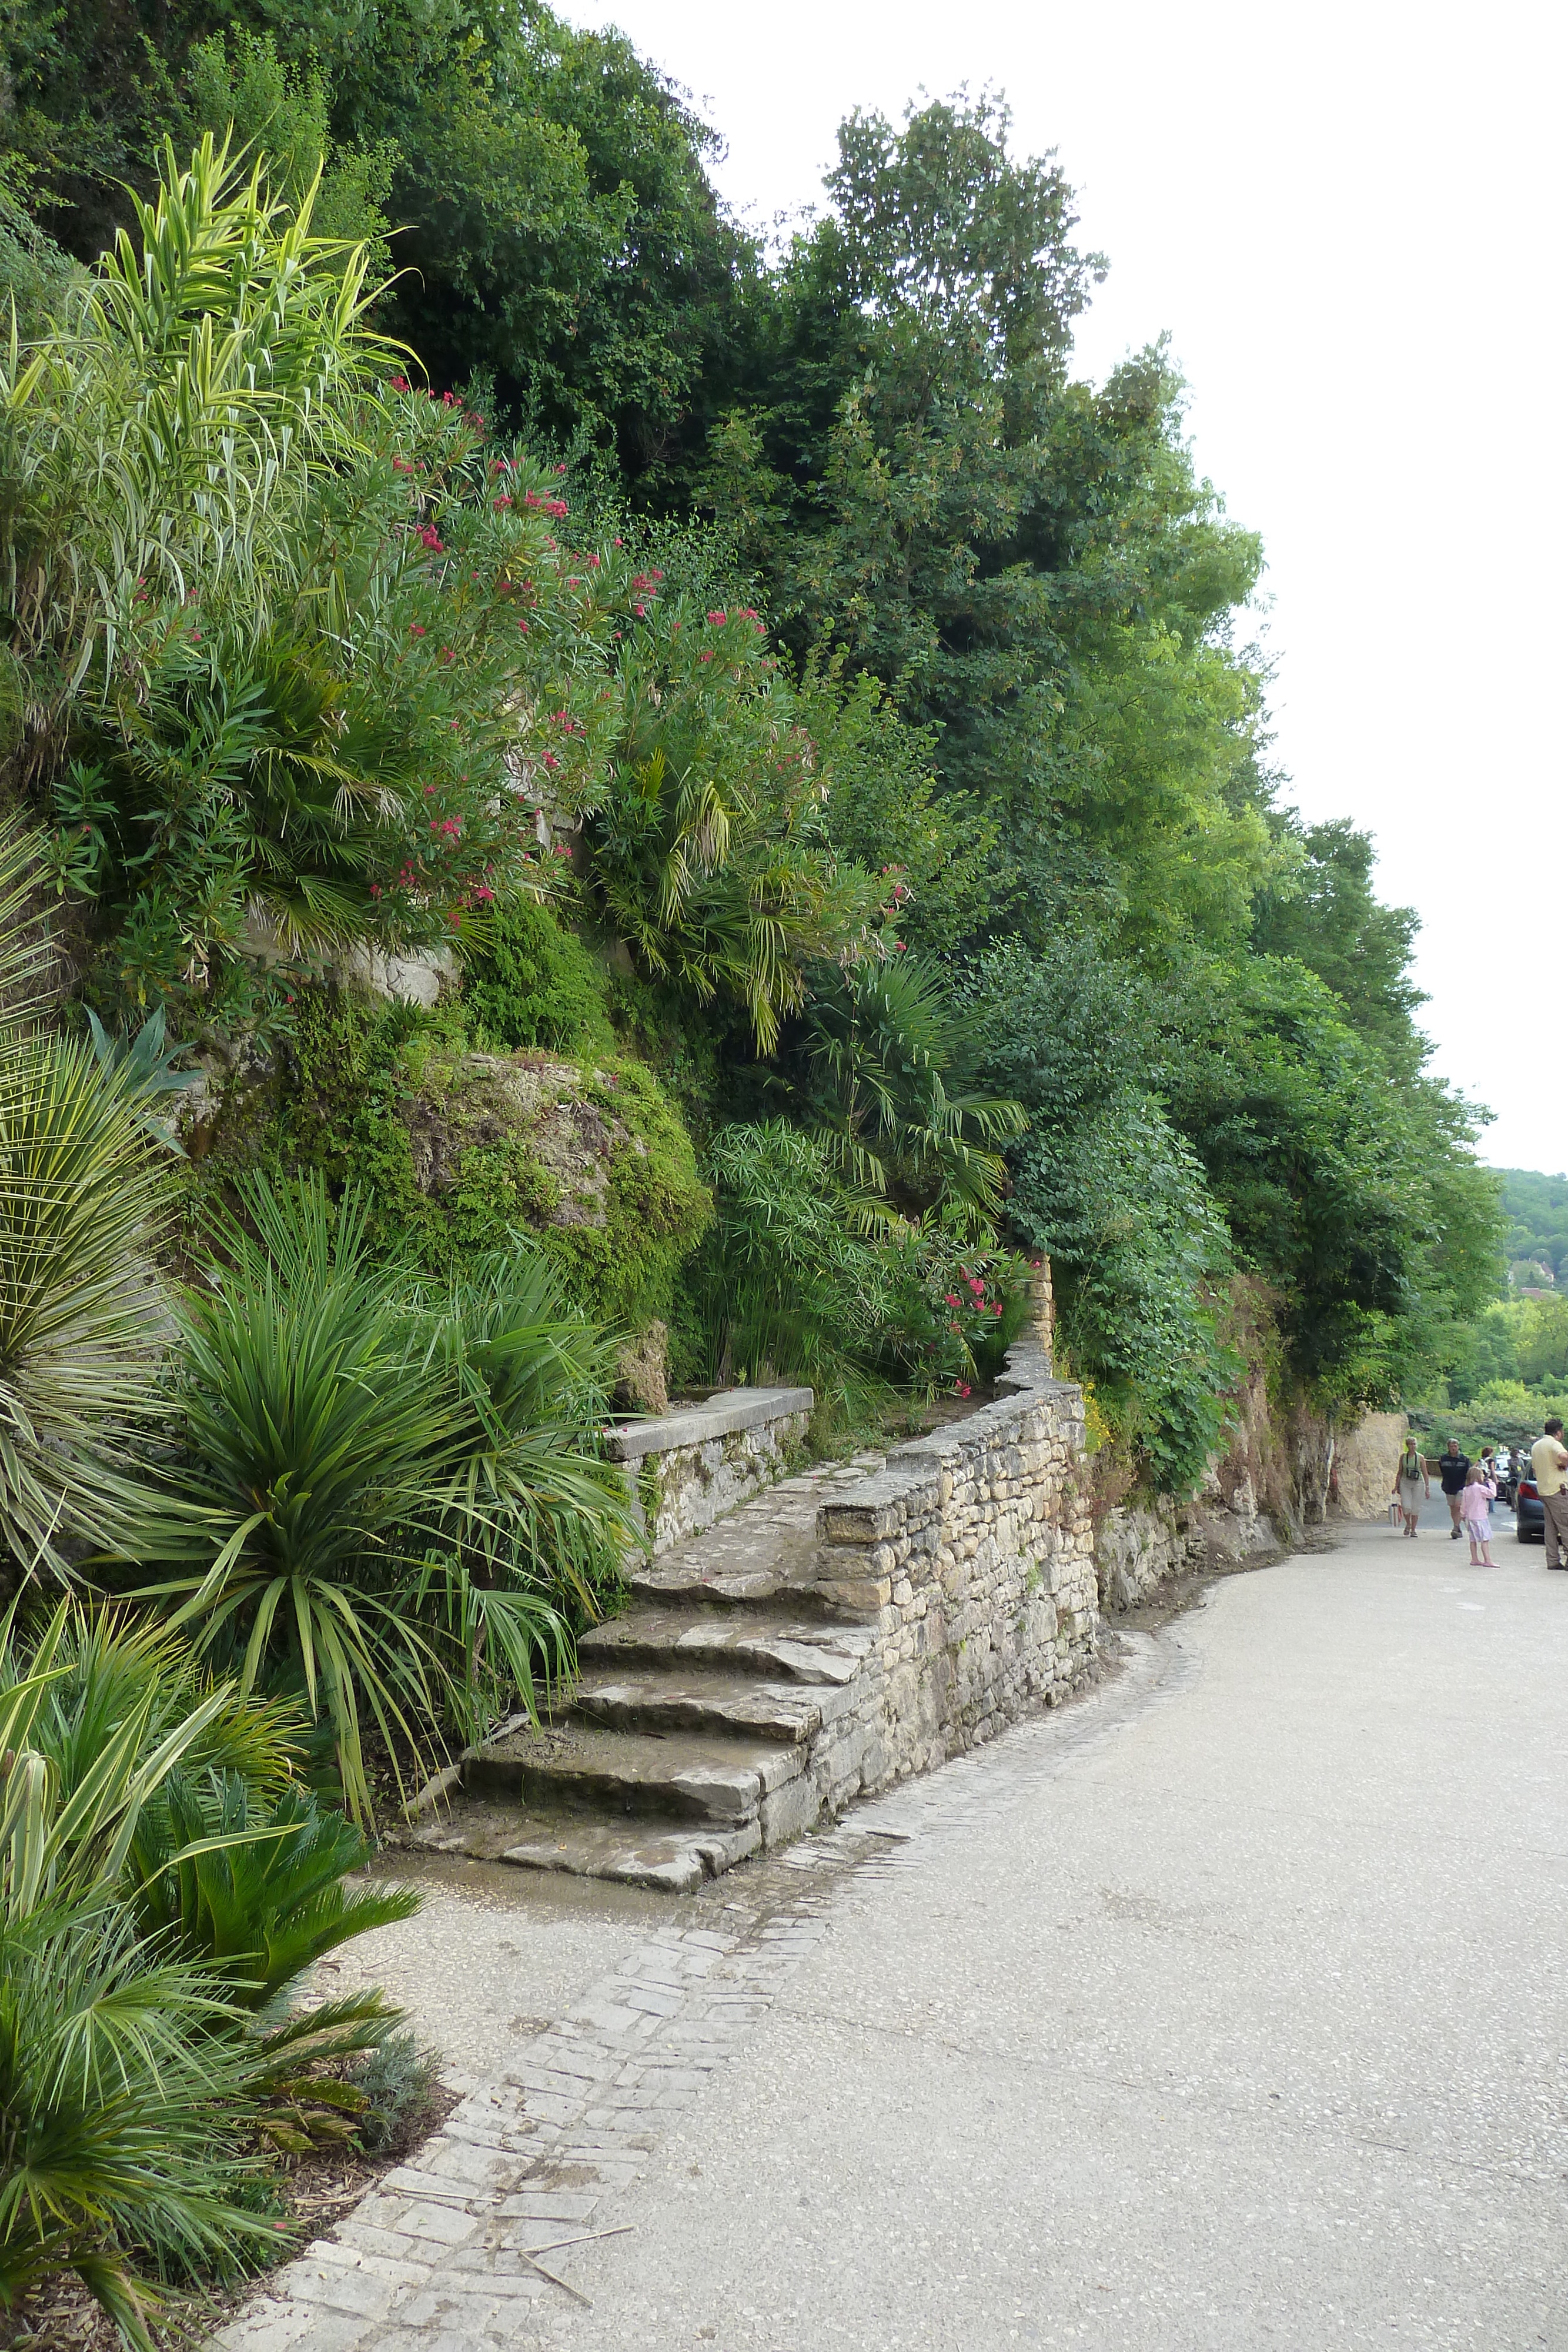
[687,1740]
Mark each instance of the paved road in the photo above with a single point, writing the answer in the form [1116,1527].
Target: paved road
[1224,2009]
[1230,2014]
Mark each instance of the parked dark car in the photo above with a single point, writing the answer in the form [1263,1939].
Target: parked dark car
[1531,1518]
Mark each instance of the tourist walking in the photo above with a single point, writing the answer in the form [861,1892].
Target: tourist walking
[1549,1463]
[1453,1469]
[1410,1484]
[1475,1510]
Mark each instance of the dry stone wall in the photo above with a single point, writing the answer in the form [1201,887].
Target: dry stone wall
[970,1557]
[686,1469]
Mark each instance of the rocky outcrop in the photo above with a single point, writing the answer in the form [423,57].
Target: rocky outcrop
[1365,1458]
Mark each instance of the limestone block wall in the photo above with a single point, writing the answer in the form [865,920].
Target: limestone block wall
[686,1469]
[970,1556]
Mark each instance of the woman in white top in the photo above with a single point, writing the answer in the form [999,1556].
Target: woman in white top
[1410,1482]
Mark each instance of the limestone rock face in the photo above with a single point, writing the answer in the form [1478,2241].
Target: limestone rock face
[501,1101]
[1364,1461]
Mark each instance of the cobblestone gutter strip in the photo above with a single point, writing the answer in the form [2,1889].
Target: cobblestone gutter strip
[480,2243]
[452,2250]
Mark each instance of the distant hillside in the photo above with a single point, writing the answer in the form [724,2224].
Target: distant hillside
[1536,1207]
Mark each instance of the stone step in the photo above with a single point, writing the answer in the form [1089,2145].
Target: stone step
[674,1859]
[722,1705]
[776,1647]
[575,1768]
[703,1577]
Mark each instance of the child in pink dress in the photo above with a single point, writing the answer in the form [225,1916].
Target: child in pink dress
[1475,1512]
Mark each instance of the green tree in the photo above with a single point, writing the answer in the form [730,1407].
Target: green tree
[1324,913]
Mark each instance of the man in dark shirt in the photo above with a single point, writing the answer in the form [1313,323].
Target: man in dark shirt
[1453,1469]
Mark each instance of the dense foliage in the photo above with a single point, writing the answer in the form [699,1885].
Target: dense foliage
[869,697]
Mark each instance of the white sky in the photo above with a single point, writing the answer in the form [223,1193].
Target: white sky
[1350,220]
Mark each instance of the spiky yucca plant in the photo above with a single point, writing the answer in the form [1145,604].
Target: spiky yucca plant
[381,1493]
[81,1313]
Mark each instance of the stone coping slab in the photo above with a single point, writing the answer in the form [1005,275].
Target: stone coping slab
[699,1424]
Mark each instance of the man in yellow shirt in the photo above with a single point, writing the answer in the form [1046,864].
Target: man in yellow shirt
[1550,1462]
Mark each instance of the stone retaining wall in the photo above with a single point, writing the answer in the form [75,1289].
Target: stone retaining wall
[971,1553]
[1343,1474]
[687,1468]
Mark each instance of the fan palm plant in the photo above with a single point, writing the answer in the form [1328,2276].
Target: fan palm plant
[162,1887]
[705,849]
[125,2096]
[886,1040]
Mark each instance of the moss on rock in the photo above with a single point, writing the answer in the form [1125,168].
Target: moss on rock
[457,1150]
[590,1158]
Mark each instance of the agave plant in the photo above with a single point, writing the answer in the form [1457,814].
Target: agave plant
[145,1062]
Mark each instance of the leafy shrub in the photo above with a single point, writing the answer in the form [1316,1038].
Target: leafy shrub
[398,2083]
[782,1284]
[1103,1183]
[952,1311]
[536,984]
[790,1283]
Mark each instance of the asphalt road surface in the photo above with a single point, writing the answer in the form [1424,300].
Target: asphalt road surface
[1224,2010]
